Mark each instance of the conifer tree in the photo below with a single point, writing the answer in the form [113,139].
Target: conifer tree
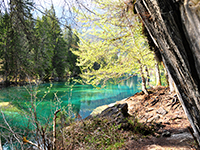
[17,41]
[34,48]
[72,41]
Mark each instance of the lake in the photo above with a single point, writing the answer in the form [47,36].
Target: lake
[15,102]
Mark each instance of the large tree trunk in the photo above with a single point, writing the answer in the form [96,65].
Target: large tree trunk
[175,30]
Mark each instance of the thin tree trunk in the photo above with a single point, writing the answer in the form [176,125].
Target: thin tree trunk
[166,74]
[144,88]
[158,78]
[54,128]
[148,77]
[170,82]
[0,145]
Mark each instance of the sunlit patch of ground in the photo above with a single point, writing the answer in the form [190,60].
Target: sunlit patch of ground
[4,104]
[157,147]
[8,107]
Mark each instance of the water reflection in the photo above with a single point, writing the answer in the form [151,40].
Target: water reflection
[74,99]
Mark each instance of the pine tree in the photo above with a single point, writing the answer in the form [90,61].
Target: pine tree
[34,48]
[72,41]
[17,41]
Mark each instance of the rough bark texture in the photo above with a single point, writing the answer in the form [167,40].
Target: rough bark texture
[174,27]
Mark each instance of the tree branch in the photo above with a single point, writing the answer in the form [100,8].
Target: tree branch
[54,128]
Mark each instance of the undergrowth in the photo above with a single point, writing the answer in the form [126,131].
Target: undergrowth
[100,133]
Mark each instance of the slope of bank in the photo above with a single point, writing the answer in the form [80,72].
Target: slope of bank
[111,127]
[163,110]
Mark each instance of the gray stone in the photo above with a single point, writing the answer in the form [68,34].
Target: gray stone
[166,134]
[117,114]
[115,110]
[161,111]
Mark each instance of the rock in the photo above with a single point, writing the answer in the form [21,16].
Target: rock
[98,110]
[184,135]
[117,114]
[116,110]
[166,134]
[162,111]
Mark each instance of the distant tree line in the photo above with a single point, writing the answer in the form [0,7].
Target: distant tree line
[35,48]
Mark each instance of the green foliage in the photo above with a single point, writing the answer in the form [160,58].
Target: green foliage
[51,54]
[72,43]
[34,48]
[114,46]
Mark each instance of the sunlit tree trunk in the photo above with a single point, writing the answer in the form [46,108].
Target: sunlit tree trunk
[144,88]
[158,78]
[148,77]
[170,82]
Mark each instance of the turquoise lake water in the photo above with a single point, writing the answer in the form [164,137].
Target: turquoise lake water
[74,99]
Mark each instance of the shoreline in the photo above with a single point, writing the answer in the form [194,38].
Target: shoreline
[160,110]
[99,109]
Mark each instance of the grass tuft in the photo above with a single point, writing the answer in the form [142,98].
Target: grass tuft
[100,133]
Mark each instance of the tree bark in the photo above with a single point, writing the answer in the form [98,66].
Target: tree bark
[175,30]
[0,145]
[54,128]
[158,78]
[148,77]
[144,87]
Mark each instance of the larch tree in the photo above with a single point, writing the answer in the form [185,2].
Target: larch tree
[114,46]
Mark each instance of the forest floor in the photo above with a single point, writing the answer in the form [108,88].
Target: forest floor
[163,108]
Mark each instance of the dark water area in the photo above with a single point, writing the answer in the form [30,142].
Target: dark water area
[15,102]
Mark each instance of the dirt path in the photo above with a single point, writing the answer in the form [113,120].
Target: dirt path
[164,110]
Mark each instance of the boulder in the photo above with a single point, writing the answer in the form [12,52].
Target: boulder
[116,110]
[98,110]
[116,114]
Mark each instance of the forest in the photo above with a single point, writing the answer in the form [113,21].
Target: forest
[102,41]
[35,49]
[43,49]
